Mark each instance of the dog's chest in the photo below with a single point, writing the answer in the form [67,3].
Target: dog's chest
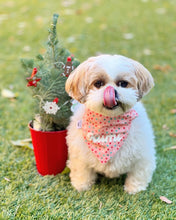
[122,162]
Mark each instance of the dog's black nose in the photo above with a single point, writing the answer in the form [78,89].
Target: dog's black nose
[116,95]
[116,98]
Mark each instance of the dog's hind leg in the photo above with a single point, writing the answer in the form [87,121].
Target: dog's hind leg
[140,176]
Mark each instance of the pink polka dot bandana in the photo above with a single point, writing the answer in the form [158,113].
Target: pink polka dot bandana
[105,135]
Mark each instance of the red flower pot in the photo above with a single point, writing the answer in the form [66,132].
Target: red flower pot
[50,151]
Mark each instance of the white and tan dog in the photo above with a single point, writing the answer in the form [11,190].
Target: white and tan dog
[110,86]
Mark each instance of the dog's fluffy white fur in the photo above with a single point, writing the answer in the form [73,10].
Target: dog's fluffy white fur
[137,155]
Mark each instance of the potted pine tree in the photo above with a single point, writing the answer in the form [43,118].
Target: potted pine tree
[46,77]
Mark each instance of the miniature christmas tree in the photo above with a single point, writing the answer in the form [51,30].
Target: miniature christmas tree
[49,73]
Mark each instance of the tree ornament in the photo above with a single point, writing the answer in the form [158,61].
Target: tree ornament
[68,67]
[56,100]
[34,72]
[51,107]
[32,80]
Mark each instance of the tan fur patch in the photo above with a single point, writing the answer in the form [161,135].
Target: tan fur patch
[145,79]
[81,79]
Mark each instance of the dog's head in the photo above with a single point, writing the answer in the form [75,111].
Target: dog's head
[109,84]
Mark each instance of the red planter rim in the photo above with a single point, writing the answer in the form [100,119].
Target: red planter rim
[46,132]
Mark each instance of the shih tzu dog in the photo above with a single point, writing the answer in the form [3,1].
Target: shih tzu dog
[110,132]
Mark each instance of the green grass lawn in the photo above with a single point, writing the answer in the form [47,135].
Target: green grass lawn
[86,29]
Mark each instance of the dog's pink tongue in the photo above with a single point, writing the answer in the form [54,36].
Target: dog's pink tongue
[109,97]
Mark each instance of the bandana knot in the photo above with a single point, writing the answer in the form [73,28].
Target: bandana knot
[105,135]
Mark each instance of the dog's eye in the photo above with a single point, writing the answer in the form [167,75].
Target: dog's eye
[122,83]
[99,83]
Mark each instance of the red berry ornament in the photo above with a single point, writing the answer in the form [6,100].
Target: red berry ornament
[32,80]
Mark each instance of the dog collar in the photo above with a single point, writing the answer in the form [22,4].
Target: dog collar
[105,135]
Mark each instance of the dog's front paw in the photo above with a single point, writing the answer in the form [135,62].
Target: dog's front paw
[83,181]
[80,187]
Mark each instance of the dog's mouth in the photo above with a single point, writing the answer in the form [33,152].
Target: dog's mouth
[117,105]
[111,99]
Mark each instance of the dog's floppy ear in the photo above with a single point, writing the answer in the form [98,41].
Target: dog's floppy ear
[145,80]
[77,83]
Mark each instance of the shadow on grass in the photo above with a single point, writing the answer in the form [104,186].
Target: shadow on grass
[102,180]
